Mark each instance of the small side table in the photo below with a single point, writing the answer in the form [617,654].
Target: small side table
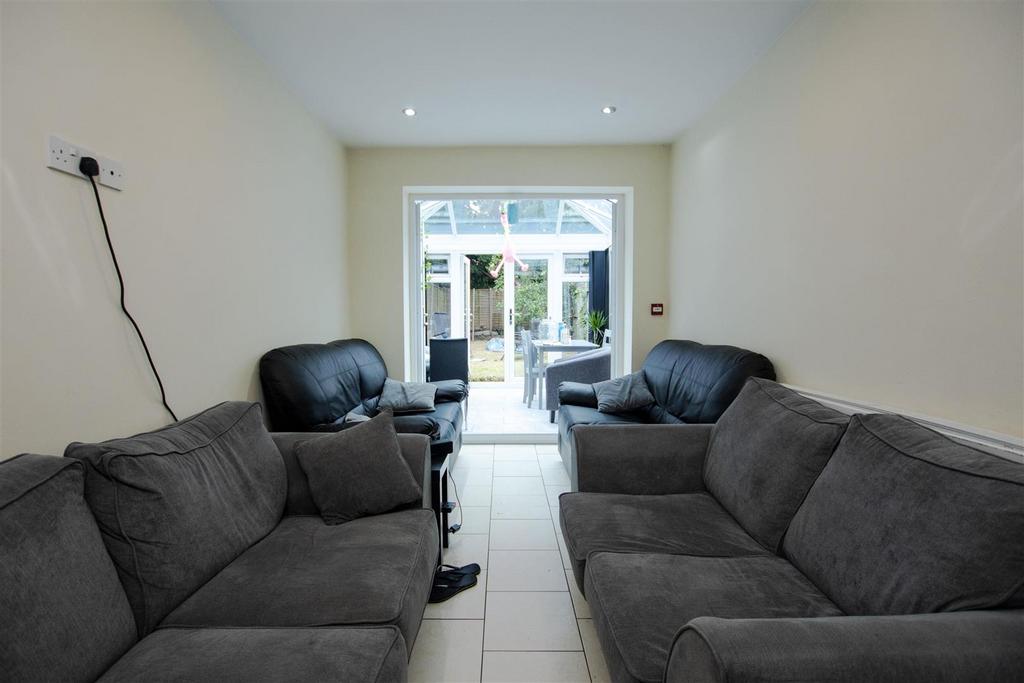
[439,489]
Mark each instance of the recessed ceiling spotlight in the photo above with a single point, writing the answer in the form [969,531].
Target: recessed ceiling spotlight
[608,109]
[409,111]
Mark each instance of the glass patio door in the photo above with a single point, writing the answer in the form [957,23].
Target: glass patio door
[529,309]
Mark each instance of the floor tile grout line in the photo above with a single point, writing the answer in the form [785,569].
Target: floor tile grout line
[552,519]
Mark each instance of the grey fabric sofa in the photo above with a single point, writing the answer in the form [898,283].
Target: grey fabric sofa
[589,367]
[194,553]
[791,542]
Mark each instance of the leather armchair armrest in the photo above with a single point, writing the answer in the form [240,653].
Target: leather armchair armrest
[450,391]
[577,394]
[641,459]
[933,648]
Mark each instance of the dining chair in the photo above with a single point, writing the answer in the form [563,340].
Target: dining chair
[529,367]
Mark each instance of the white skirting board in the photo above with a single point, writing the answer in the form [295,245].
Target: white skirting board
[509,438]
[1003,445]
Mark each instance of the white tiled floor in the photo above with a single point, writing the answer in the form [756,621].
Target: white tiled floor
[525,621]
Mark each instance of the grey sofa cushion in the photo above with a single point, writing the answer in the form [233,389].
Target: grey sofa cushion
[955,647]
[254,655]
[374,570]
[767,449]
[359,471]
[63,613]
[176,505]
[415,450]
[688,523]
[904,521]
[405,397]
[640,601]
[623,394]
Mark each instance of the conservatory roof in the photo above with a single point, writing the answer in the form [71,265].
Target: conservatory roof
[530,217]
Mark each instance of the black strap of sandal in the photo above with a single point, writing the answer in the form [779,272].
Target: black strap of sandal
[444,589]
[473,569]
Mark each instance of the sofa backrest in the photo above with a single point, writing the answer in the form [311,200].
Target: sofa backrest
[697,382]
[903,520]
[177,505]
[316,384]
[765,452]
[63,613]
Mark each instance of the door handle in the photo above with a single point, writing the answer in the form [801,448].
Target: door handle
[510,318]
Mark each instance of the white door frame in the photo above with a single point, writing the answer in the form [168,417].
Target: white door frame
[620,285]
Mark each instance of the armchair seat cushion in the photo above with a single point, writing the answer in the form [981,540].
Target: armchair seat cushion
[370,571]
[257,655]
[640,601]
[689,523]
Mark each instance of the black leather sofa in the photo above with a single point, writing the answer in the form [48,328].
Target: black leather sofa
[691,383]
[312,387]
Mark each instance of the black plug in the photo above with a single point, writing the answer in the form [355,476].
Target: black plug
[453,528]
[89,167]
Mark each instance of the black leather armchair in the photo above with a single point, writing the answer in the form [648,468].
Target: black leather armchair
[691,383]
[312,387]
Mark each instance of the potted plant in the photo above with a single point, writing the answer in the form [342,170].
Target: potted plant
[597,323]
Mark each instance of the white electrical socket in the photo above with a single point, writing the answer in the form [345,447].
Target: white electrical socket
[64,156]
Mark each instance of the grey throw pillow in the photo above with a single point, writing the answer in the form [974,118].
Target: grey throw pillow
[406,397]
[358,472]
[623,394]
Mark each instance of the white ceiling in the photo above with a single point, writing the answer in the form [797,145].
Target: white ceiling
[502,73]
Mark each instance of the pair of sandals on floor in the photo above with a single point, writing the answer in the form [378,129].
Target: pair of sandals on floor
[449,581]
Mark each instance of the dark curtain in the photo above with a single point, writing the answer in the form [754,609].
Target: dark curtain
[599,281]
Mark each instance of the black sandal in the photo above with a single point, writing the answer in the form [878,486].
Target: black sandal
[448,587]
[453,571]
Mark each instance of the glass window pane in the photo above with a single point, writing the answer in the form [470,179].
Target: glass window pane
[577,264]
[438,306]
[437,265]
[575,307]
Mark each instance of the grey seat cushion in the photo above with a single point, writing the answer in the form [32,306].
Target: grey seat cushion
[63,613]
[639,601]
[688,524]
[176,505]
[252,655]
[375,570]
[765,453]
[904,520]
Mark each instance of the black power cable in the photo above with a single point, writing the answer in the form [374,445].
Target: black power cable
[91,168]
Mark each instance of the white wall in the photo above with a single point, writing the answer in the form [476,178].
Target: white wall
[375,180]
[852,209]
[230,231]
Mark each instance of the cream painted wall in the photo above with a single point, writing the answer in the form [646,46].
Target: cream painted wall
[852,209]
[230,231]
[375,180]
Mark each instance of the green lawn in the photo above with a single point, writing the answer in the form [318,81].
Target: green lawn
[489,366]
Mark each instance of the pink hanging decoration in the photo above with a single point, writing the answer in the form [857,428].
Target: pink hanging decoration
[508,252]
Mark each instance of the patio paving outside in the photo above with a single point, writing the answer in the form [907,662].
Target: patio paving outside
[498,408]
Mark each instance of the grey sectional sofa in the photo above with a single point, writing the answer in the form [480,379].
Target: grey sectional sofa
[195,553]
[791,542]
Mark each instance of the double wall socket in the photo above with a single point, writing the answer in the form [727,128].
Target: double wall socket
[65,156]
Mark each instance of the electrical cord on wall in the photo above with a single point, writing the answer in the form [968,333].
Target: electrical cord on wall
[91,168]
